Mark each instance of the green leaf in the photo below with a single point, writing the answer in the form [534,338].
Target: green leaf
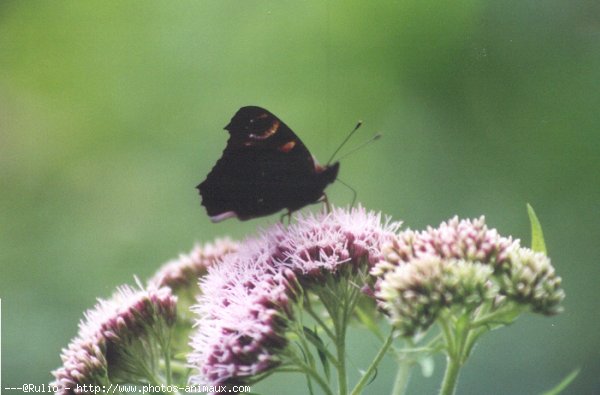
[564,383]
[367,318]
[537,236]
[309,360]
[316,340]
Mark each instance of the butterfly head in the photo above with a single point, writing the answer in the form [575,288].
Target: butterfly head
[327,174]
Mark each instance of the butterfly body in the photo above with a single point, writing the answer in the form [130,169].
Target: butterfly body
[265,168]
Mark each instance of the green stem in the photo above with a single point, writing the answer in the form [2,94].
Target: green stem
[341,357]
[447,333]
[335,300]
[323,349]
[450,376]
[154,380]
[455,355]
[365,378]
[309,368]
[168,367]
[317,377]
[402,376]
[177,367]
[470,340]
[338,296]
[347,305]
[319,321]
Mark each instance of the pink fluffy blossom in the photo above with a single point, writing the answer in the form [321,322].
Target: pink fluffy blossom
[130,315]
[247,299]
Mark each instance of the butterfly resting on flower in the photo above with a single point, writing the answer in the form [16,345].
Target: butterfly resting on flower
[265,168]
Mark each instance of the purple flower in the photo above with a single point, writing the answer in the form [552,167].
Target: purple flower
[84,362]
[247,299]
[322,244]
[467,239]
[243,310]
[531,280]
[183,273]
[108,335]
[415,294]
[460,263]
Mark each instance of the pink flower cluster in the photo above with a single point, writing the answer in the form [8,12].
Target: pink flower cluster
[84,362]
[184,271]
[242,313]
[320,245]
[247,294]
[467,239]
[247,299]
[461,264]
[112,324]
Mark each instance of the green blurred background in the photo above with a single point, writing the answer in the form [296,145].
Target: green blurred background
[111,112]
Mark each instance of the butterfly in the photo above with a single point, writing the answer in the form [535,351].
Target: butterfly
[265,168]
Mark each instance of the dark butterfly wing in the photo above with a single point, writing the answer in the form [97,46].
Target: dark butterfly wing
[264,168]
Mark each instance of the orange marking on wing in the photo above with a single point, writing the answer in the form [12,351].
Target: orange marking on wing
[287,147]
[267,133]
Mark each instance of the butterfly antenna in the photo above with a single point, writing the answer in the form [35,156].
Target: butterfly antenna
[354,194]
[358,125]
[369,141]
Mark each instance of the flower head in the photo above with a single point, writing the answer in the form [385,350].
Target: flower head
[414,294]
[470,240]
[184,272]
[463,264]
[531,280]
[107,336]
[247,299]
[243,310]
[84,362]
[321,244]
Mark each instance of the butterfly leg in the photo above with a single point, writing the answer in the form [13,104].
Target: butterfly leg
[288,214]
[326,206]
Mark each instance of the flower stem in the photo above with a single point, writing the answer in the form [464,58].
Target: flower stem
[156,381]
[309,371]
[341,357]
[405,364]
[364,379]
[450,376]
[168,373]
[176,367]
[319,321]
[456,346]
